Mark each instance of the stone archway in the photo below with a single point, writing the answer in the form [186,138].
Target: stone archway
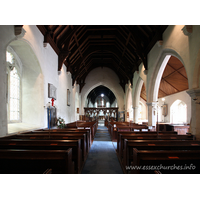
[154,83]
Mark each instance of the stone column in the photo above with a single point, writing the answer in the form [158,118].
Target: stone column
[3,86]
[135,114]
[152,113]
[195,112]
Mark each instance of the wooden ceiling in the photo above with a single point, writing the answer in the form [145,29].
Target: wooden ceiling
[143,93]
[174,79]
[85,47]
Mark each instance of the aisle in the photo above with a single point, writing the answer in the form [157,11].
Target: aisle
[102,158]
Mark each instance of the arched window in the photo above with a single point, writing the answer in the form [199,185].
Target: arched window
[14,88]
[178,112]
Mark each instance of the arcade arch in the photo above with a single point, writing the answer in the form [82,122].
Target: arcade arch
[165,82]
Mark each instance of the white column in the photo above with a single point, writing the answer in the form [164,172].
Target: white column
[3,86]
[152,113]
[195,112]
[135,114]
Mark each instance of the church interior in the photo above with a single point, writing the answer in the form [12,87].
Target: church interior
[100,99]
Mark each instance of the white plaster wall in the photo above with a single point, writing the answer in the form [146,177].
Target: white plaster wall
[6,34]
[145,109]
[108,78]
[128,102]
[77,104]
[48,61]
[32,83]
[75,90]
[185,48]
[49,65]
[169,100]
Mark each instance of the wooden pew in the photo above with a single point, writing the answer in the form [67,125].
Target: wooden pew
[120,133]
[56,136]
[20,161]
[124,127]
[155,145]
[63,131]
[146,136]
[92,126]
[69,130]
[38,143]
[166,161]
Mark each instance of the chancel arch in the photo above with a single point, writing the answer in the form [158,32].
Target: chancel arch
[101,103]
[105,77]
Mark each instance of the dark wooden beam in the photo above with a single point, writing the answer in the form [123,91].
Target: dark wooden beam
[48,39]
[62,56]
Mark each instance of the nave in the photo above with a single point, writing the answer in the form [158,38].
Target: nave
[102,158]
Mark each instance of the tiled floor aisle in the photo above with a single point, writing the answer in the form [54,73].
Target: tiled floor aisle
[102,158]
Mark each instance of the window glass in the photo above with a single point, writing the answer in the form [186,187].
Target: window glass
[14,95]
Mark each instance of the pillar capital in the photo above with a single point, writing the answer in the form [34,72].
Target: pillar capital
[135,107]
[153,104]
[187,30]
[194,93]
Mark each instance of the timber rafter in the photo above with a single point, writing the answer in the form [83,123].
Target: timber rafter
[84,47]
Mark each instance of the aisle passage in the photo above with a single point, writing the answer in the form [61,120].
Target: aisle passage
[102,158]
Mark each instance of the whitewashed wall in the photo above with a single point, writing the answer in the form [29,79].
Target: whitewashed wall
[106,77]
[46,71]
[169,100]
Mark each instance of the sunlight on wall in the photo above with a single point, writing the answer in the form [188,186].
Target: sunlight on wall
[178,112]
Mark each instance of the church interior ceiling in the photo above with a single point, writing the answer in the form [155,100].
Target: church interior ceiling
[174,79]
[121,48]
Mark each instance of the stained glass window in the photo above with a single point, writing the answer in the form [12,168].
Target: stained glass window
[14,95]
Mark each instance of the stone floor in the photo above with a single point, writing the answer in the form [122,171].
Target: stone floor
[102,157]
